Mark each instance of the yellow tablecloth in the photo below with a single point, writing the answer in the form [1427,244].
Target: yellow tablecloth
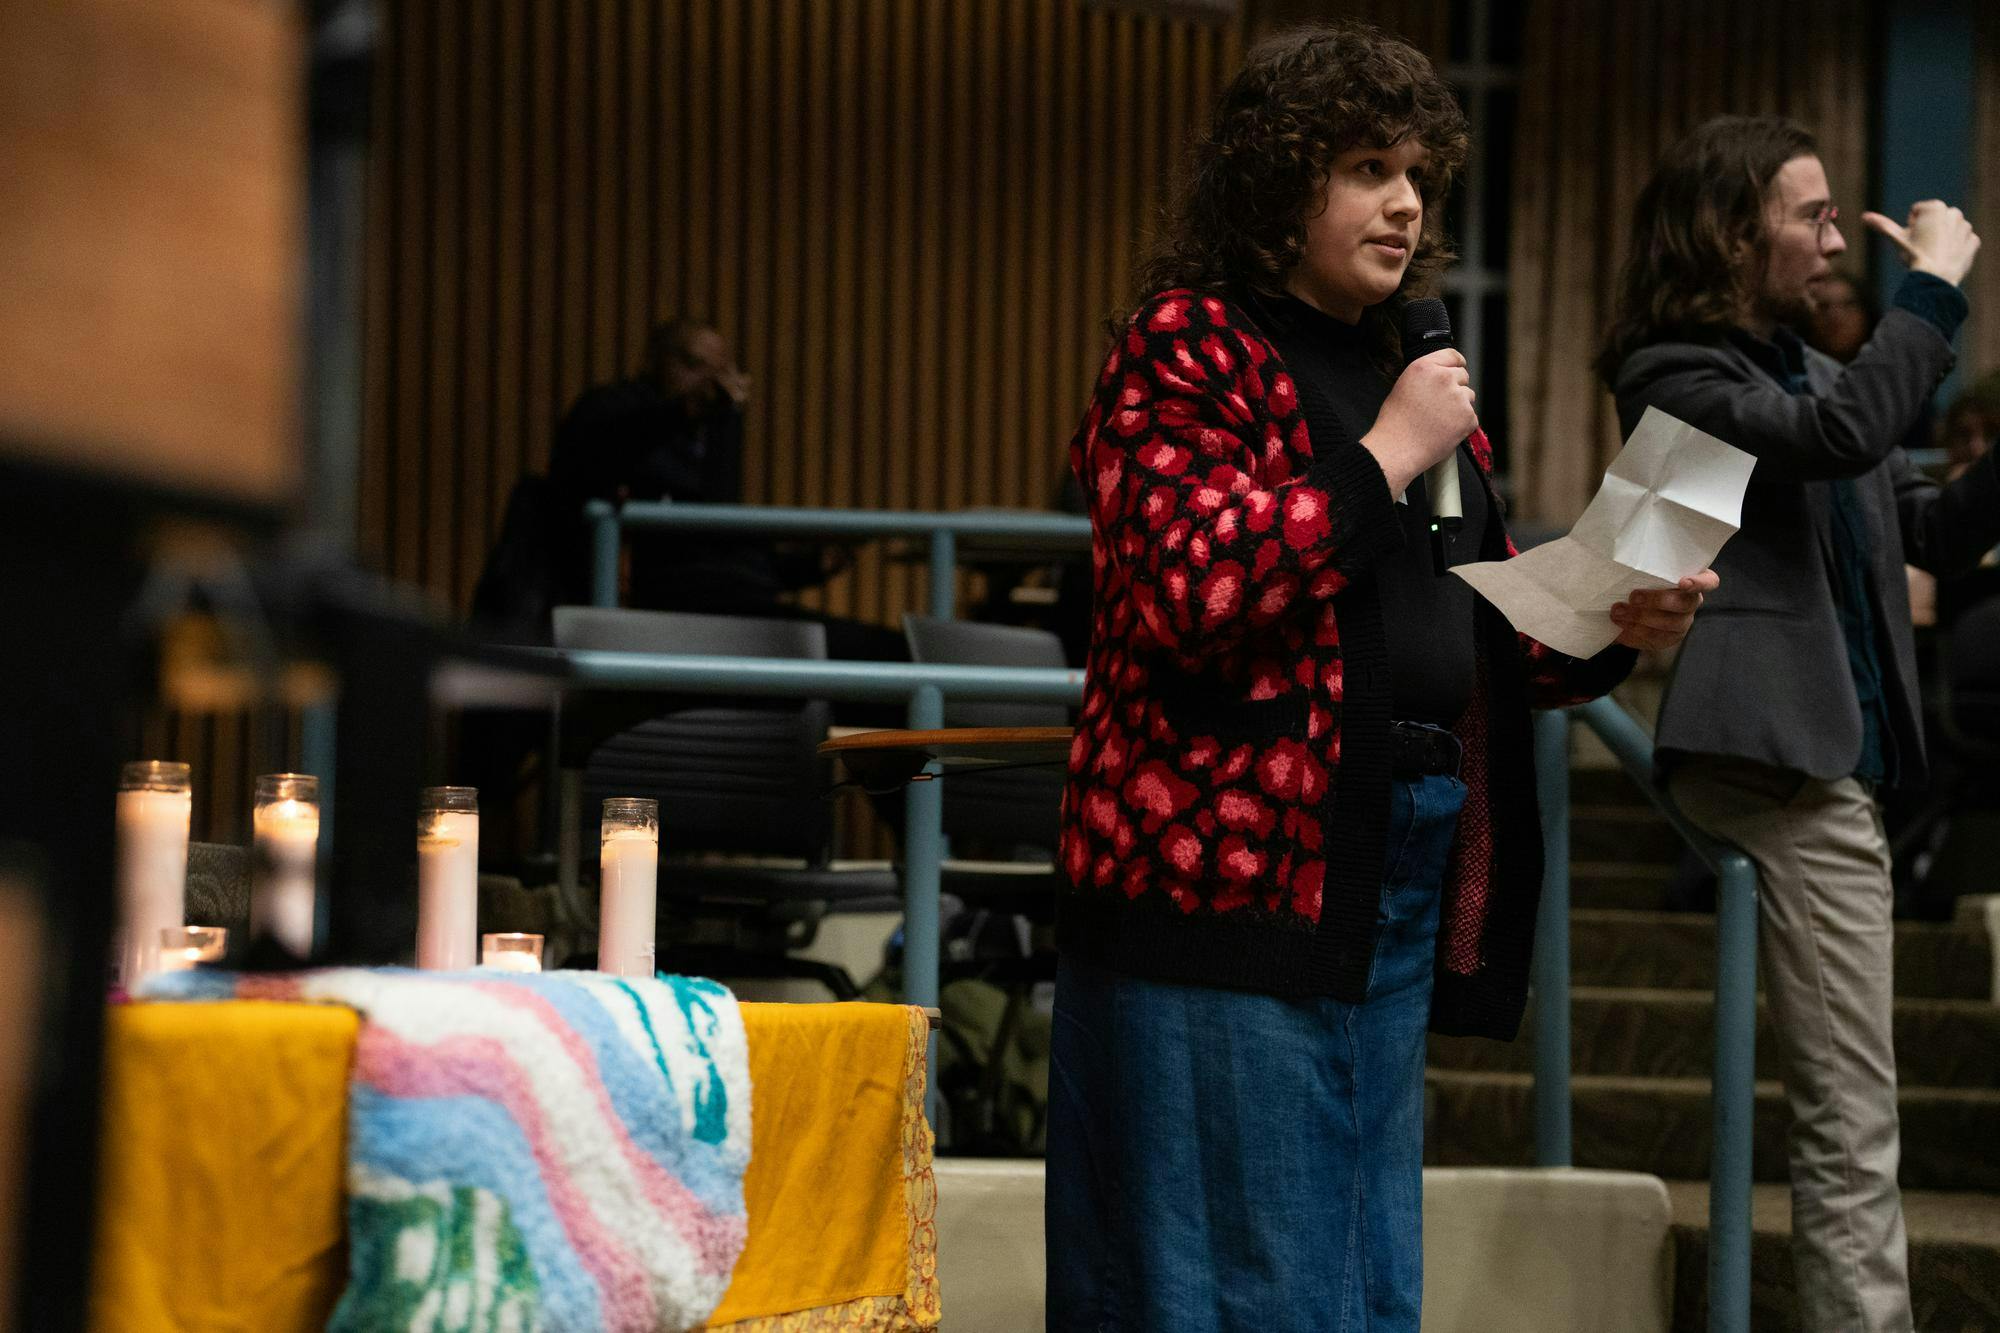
[224,1154]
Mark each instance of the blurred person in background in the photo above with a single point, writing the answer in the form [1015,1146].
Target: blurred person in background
[1794,700]
[1844,314]
[673,431]
[1970,425]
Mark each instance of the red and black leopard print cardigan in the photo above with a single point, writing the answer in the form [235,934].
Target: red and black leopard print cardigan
[1226,809]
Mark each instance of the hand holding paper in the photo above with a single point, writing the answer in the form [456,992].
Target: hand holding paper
[1673,496]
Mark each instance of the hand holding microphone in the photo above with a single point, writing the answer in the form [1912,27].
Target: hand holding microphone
[1426,415]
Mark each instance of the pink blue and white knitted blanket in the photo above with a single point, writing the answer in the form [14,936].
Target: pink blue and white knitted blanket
[562,1152]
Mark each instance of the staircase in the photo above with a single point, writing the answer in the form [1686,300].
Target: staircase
[1642,1045]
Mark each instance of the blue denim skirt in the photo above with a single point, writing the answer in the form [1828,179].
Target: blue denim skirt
[1220,1160]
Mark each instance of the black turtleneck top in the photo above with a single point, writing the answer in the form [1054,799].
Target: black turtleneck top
[1428,619]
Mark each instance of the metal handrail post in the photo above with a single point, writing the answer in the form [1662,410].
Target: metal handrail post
[944,574]
[923,687]
[606,538]
[923,877]
[1734,1086]
[1551,962]
[1735,1093]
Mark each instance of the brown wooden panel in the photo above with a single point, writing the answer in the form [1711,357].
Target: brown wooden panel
[379,292]
[910,219]
[785,215]
[508,217]
[1603,92]
[543,191]
[444,332]
[669,113]
[470,521]
[609,122]
[150,227]
[908,203]
[411,266]
[849,322]
[576,77]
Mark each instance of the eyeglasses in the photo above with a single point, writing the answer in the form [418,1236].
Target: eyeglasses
[1821,218]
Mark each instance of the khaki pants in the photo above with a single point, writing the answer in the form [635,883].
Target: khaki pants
[1827,954]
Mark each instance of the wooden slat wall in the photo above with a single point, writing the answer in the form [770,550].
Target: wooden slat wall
[1603,90]
[226,751]
[910,218]
[1425,24]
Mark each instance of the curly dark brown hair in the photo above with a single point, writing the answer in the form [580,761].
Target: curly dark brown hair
[1699,239]
[1304,96]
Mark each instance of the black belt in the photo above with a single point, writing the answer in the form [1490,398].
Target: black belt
[1417,751]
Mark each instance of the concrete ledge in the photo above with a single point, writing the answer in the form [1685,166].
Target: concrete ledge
[1545,1250]
[991,1271]
[1504,1249]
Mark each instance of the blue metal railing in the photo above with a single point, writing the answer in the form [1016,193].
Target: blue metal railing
[923,688]
[1735,994]
[1019,529]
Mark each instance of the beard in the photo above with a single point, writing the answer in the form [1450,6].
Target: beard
[1792,308]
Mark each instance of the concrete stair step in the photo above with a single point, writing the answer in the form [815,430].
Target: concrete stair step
[1628,833]
[1592,786]
[1671,1034]
[1676,950]
[1630,886]
[1954,1259]
[1663,1126]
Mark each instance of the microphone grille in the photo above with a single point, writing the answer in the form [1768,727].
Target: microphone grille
[1426,327]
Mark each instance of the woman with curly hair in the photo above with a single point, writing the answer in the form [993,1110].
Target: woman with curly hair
[1300,825]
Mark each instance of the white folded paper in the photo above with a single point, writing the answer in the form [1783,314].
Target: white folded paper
[1673,496]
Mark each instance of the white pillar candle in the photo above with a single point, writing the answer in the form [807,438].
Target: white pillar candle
[513,962]
[155,808]
[286,846]
[448,879]
[628,878]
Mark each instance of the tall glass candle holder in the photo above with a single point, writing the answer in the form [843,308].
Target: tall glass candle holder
[155,807]
[448,878]
[629,877]
[286,823]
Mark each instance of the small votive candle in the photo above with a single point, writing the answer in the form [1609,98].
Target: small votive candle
[447,877]
[628,879]
[510,951]
[155,806]
[183,947]
[286,846]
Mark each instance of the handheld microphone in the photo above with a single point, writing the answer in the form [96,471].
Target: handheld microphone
[1427,329]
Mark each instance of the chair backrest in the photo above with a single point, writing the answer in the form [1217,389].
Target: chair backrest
[972,643]
[1006,811]
[218,885]
[736,775]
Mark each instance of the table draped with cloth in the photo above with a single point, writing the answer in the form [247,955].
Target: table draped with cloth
[223,1173]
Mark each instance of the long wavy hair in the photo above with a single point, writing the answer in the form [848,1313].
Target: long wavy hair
[1699,240]
[1303,97]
